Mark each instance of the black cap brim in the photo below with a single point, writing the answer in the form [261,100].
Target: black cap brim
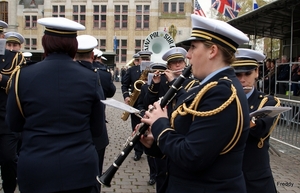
[241,69]
[187,42]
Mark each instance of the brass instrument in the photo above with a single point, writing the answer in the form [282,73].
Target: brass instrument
[136,92]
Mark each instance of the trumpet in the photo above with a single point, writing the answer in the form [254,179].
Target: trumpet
[106,177]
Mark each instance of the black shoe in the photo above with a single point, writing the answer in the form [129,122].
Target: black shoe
[151,182]
[137,158]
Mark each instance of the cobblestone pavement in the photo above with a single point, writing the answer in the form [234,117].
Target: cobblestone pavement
[133,176]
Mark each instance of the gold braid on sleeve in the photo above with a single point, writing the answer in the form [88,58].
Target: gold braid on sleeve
[192,109]
[262,103]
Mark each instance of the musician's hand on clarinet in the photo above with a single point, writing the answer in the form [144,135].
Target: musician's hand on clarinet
[127,100]
[147,139]
[155,112]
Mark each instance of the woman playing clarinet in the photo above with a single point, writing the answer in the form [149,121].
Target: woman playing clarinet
[204,139]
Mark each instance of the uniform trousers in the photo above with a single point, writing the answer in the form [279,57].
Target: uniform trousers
[152,167]
[97,187]
[8,160]
[80,190]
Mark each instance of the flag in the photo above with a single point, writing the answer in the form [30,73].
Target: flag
[198,10]
[229,8]
[255,6]
[115,43]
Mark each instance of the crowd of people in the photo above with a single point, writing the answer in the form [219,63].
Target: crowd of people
[53,123]
[278,70]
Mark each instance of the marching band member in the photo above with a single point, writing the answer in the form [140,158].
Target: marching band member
[8,139]
[133,74]
[14,41]
[161,81]
[204,139]
[85,57]
[162,78]
[3,25]
[108,86]
[57,109]
[256,162]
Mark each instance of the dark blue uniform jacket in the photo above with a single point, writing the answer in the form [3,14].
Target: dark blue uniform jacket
[6,67]
[132,75]
[193,148]
[256,162]
[61,104]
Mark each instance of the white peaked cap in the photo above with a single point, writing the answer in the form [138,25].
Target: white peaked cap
[60,26]
[27,54]
[174,53]
[217,31]
[86,43]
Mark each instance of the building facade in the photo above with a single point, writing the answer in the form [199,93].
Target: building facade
[120,26]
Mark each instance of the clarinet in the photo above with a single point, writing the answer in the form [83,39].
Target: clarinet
[106,177]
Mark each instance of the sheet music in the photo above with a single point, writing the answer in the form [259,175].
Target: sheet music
[269,111]
[120,105]
[2,46]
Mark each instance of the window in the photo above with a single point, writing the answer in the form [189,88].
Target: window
[142,16]
[82,8]
[30,21]
[166,7]
[30,44]
[138,46]
[173,7]
[34,21]
[96,9]
[146,8]
[4,11]
[33,44]
[124,21]
[103,45]
[117,8]
[181,7]
[138,21]
[27,21]
[75,18]
[121,52]
[103,21]
[58,11]
[121,16]
[62,9]
[146,21]
[79,13]
[103,8]
[99,15]
[117,21]
[75,8]
[54,9]
[96,21]
[27,44]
